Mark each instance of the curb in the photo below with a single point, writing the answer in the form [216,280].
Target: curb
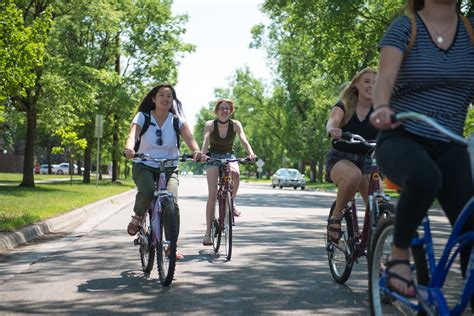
[62,223]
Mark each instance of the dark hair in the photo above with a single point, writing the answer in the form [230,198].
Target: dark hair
[147,104]
[417,5]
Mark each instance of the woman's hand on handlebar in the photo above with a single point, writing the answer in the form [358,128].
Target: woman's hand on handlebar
[129,153]
[335,133]
[197,155]
[204,158]
[382,118]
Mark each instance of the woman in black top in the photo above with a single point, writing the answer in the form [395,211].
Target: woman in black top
[346,165]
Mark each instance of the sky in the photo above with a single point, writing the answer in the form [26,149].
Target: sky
[220,29]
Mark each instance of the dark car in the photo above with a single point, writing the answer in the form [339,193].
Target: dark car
[285,177]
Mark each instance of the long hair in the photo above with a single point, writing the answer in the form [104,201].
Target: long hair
[350,94]
[417,5]
[148,105]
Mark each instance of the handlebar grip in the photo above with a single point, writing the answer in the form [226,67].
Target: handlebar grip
[184,156]
[394,118]
[346,135]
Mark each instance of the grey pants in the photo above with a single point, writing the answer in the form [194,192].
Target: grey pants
[144,178]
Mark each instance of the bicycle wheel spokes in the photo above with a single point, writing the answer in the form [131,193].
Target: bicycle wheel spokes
[147,251]
[339,255]
[228,227]
[215,235]
[166,248]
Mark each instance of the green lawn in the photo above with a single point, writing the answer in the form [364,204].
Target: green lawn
[24,206]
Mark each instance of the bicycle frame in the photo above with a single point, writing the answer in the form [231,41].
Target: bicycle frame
[160,193]
[225,186]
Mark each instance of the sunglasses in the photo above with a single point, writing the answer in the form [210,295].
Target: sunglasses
[159,140]
[224,108]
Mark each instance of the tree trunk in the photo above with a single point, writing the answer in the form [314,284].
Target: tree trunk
[87,162]
[29,156]
[320,171]
[115,149]
[115,145]
[312,174]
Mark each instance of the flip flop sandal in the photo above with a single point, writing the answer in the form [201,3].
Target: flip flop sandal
[331,230]
[134,225]
[394,262]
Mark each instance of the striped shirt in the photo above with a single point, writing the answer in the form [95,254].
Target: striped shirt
[432,81]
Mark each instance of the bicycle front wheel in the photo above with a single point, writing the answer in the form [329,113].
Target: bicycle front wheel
[166,246]
[228,225]
[147,250]
[339,255]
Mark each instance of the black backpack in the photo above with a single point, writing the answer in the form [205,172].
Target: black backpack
[147,124]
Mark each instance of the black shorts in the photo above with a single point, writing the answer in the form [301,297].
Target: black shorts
[362,161]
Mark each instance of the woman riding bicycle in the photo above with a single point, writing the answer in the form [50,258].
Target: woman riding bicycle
[346,164]
[160,140]
[219,135]
[434,77]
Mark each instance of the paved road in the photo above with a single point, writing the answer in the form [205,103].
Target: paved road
[278,265]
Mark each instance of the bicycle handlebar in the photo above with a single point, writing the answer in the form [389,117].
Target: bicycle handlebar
[428,120]
[349,138]
[145,157]
[227,160]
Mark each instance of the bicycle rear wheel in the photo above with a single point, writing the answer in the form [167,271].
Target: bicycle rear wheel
[166,246]
[228,225]
[147,251]
[339,255]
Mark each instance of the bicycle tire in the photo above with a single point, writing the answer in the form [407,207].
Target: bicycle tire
[146,249]
[340,262]
[386,210]
[228,226]
[166,246]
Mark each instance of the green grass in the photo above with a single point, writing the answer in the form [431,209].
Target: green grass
[21,207]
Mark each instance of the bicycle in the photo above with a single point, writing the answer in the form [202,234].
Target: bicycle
[354,243]
[158,229]
[430,276]
[222,225]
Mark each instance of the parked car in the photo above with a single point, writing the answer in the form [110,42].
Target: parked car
[285,177]
[44,169]
[63,168]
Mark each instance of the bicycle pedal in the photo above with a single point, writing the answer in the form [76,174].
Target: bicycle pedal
[137,241]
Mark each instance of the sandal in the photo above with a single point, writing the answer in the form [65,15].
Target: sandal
[206,241]
[179,256]
[235,210]
[332,230]
[134,225]
[410,284]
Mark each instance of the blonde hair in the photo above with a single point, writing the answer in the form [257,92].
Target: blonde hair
[350,94]
[228,101]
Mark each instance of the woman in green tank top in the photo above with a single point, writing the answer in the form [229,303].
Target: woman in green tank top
[219,135]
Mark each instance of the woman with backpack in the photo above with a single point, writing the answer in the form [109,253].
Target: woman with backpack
[426,66]
[155,130]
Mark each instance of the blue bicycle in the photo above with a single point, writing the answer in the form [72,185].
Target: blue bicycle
[430,276]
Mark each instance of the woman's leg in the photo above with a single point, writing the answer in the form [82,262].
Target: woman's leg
[347,176]
[456,190]
[144,180]
[212,177]
[234,167]
[408,164]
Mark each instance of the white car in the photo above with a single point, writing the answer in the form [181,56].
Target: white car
[63,168]
[288,178]
[44,169]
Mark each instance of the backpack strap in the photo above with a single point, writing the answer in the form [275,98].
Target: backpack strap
[145,126]
[412,39]
[468,26]
[176,129]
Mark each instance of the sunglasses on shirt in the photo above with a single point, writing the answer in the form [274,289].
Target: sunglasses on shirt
[159,140]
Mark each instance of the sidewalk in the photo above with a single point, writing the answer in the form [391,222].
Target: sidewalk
[100,210]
